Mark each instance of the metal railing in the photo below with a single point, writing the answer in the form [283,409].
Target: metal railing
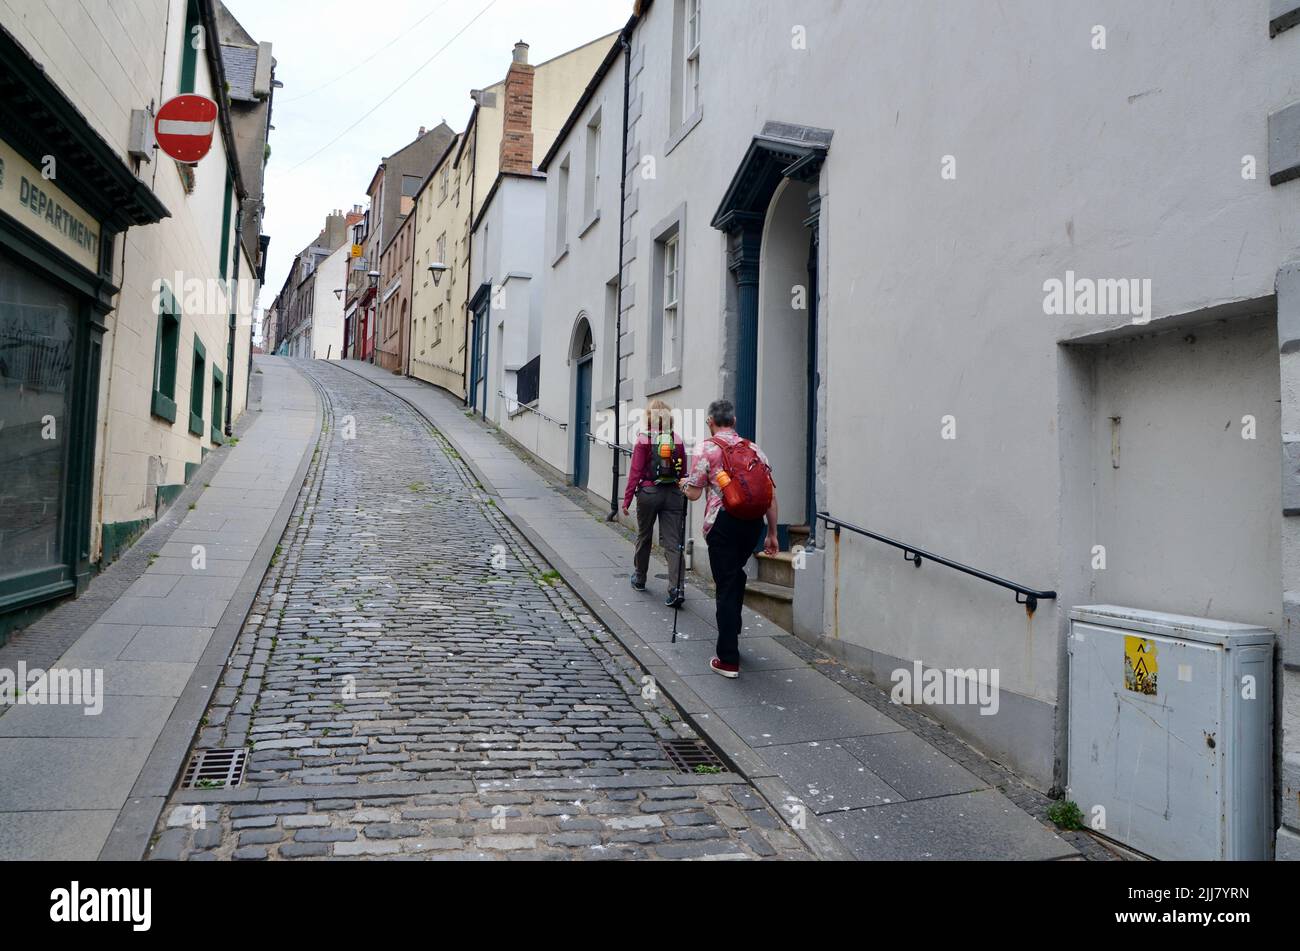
[917,556]
[592,437]
[512,401]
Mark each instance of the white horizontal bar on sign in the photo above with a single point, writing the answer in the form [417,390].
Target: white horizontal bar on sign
[177,127]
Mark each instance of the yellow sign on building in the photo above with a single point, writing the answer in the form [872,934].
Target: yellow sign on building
[1140,665]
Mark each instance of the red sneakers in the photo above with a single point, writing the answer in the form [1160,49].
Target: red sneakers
[730,671]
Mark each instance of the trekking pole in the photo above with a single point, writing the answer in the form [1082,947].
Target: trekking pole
[681,563]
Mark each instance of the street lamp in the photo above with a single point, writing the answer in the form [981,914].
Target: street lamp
[437,270]
[374,311]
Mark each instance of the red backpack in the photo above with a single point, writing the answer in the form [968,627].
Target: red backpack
[750,494]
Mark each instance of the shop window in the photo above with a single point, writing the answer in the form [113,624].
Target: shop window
[37,334]
[166,355]
[197,377]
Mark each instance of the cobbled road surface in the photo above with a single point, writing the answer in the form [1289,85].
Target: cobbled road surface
[415,682]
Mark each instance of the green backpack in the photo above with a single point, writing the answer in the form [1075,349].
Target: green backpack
[663,471]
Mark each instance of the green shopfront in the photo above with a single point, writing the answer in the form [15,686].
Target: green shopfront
[65,196]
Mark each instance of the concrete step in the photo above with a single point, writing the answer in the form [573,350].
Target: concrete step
[775,602]
[777,569]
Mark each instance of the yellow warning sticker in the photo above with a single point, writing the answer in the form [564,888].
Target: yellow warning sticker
[1140,665]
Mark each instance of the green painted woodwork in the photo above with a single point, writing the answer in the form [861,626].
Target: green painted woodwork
[218,394]
[197,380]
[193,44]
[166,355]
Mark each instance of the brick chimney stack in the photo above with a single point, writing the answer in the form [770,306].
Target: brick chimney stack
[517,132]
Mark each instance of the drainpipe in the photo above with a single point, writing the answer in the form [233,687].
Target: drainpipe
[618,307]
[234,321]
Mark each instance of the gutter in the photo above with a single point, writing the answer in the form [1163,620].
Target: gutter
[212,46]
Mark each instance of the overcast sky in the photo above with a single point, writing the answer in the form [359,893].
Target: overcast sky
[316,45]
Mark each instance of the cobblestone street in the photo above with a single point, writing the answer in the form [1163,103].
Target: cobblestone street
[415,681]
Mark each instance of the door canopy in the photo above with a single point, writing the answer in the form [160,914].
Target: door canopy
[780,151]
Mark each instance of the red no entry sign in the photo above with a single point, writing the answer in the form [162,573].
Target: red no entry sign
[184,127]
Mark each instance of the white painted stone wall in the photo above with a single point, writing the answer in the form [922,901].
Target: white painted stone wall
[327,316]
[508,252]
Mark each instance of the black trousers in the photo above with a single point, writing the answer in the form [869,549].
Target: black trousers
[731,544]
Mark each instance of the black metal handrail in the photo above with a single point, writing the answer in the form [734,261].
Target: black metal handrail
[592,437]
[525,408]
[918,555]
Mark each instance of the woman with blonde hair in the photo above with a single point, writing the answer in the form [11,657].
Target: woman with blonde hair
[658,465]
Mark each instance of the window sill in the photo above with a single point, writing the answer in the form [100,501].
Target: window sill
[164,407]
[595,219]
[677,137]
[196,425]
[671,380]
[564,253]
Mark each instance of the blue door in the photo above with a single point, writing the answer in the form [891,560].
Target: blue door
[582,424]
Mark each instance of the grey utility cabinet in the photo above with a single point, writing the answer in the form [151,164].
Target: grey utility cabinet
[1171,722]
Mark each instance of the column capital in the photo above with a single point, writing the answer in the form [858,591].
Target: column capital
[744,244]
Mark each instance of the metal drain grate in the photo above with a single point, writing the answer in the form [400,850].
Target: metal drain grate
[215,769]
[693,756]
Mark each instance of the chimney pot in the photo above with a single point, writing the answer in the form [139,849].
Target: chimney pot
[521,53]
[421,131]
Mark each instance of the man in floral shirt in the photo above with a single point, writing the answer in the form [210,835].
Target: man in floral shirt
[731,541]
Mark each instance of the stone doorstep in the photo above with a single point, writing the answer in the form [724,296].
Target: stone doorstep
[818,840]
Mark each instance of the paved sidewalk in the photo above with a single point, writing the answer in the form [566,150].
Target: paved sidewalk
[74,786]
[860,783]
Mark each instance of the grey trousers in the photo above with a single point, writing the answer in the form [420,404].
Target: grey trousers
[666,504]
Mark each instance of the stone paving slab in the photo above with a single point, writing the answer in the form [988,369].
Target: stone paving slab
[69,773]
[52,836]
[912,766]
[828,777]
[977,826]
[770,724]
[123,718]
[761,653]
